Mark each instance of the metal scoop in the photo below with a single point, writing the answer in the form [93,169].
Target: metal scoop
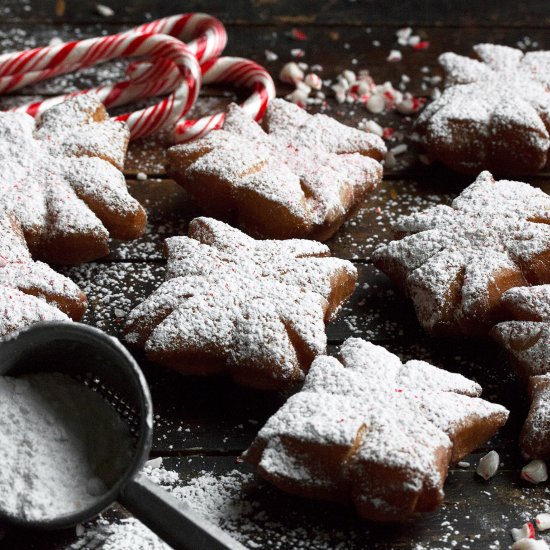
[105,366]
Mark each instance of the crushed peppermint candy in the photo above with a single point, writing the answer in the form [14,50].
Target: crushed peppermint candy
[543,521]
[270,55]
[104,11]
[291,73]
[535,472]
[394,56]
[488,465]
[526,531]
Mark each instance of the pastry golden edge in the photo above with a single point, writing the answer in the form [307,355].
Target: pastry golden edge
[335,460]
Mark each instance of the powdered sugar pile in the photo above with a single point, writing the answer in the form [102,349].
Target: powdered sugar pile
[128,534]
[486,231]
[249,302]
[61,446]
[374,413]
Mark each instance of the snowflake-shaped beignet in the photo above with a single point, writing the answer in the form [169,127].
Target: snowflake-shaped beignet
[456,261]
[61,179]
[255,309]
[31,291]
[374,431]
[528,340]
[493,114]
[297,176]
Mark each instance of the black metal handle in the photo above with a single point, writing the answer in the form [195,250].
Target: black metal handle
[174,521]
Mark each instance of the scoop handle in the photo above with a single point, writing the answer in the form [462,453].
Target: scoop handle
[173,521]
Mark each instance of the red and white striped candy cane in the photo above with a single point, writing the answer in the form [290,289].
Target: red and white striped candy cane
[236,70]
[170,72]
[204,35]
[240,72]
[31,66]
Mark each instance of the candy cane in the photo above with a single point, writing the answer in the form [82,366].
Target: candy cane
[242,72]
[41,62]
[174,70]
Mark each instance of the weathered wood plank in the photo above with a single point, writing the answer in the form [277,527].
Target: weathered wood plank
[362,12]
[170,209]
[336,48]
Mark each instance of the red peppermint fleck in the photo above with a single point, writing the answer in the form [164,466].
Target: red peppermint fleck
[422,45]
[378,210]
[398,390]
[297,34]
[388,132]
[418,102]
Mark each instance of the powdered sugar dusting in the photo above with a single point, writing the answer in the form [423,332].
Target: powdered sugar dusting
[527,339]
[31,291]
[374,413]
[54,176]
[484,102]
[242,301]
[310,169]
[490,229]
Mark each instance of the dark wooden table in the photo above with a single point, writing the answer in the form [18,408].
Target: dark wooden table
[205,424]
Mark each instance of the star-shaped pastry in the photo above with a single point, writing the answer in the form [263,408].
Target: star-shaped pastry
[61,180]
[298,175]
[254,309]
[527,338]
[456,261]
[31,291]
[493,114]
[374,431]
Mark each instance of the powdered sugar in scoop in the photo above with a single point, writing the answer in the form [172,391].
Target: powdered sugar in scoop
[61,446]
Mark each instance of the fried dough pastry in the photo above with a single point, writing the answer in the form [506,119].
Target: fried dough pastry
[298,175]
[60,178]
[254,309]
[31,291]
[493,114]
[456,261]
[527,339]
[375,432]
